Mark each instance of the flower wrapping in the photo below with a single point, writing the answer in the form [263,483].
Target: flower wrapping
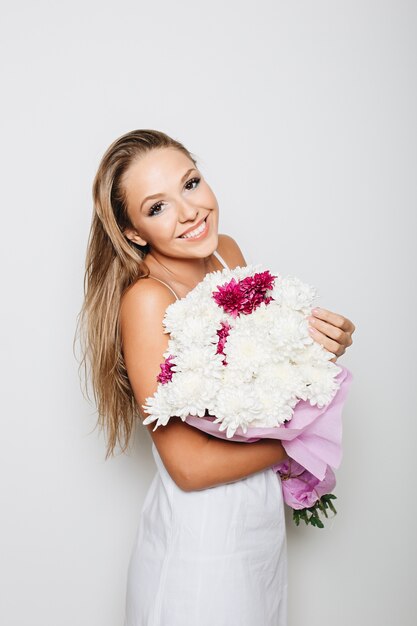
[240,364]
[313,436]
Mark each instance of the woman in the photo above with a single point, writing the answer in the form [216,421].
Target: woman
[211,545]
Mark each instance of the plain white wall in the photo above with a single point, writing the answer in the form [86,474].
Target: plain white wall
[302,116]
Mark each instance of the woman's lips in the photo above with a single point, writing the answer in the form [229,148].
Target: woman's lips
[193,227]
[197,237]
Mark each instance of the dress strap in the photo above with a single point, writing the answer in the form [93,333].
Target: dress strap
[216,254]
[220,258]
[166,284]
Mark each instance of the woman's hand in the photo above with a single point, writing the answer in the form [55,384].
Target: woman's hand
[331,330]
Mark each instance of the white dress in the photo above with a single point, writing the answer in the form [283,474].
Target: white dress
[213,557]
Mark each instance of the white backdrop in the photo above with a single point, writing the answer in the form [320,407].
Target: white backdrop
[302,116]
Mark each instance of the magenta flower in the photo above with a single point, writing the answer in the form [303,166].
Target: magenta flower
[245,295]
[166,370]
[223,334]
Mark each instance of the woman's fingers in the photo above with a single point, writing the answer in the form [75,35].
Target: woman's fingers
[334,318]
[330,344]
[331,330]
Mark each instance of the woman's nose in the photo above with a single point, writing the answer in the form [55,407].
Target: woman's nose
[186,211]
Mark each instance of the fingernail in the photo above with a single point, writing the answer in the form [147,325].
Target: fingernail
[312,330]
[316,309]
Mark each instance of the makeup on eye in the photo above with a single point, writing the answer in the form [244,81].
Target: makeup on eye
[151,212]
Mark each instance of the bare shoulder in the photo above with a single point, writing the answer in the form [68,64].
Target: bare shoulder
[145,303]
[148,292]
[230,251]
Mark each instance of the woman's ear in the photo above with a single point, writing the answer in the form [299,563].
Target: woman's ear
[134,236]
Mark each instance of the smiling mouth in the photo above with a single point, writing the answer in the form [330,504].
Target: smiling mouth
[196,232]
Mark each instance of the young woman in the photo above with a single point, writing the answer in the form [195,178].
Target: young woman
[210,547]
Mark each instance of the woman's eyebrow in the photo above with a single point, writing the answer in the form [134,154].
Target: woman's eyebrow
[156,195]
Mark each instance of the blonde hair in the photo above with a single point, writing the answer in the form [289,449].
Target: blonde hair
[113,263]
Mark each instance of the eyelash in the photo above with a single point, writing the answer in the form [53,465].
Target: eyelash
[150,212]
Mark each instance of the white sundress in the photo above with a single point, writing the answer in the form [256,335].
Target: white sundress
[212,557]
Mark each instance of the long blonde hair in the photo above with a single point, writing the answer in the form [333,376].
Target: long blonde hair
[112,264]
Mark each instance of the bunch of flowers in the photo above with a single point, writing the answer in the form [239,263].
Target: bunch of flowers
[240,357]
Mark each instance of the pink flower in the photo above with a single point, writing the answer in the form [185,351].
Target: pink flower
[300,488]
[166,370]
[245,295]
[223,334]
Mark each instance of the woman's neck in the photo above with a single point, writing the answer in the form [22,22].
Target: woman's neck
[186,272]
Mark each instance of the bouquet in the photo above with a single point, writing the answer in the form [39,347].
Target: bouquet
[240,364]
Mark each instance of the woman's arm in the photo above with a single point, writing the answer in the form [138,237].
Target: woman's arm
[222,461]
[193,459]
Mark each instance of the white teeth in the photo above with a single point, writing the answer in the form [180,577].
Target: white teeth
[194,233]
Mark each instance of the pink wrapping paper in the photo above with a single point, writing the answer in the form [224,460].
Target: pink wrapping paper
[300,488]
[313,436]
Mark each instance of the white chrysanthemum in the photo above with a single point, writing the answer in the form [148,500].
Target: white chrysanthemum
[312,352]
[280,375]
[276,291]
[319,386]
[195,308]
[158,406]
[175,314]
[191,393]
[233,377]
[286,334]
[196,330]
[207,308]
[297,295]
[259,319]
[202,360]
[275,410]
[246,348]
[272,405]
[238,406]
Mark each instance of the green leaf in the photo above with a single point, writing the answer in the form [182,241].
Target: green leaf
[331,506]
[311,515]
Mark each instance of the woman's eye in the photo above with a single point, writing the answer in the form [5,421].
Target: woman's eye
[192,180]
[155,206]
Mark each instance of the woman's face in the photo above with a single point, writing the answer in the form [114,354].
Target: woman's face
[183,202]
